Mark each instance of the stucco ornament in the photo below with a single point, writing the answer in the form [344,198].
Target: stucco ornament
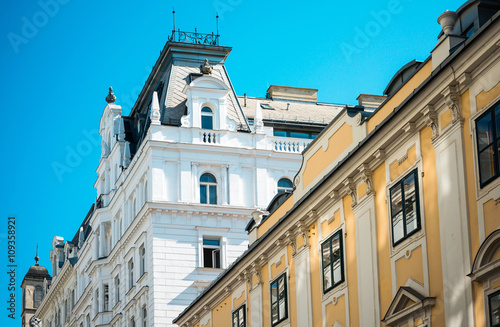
[110,98]
[35,322]
[206,68]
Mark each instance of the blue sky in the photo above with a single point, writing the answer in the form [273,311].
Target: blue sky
[58,57]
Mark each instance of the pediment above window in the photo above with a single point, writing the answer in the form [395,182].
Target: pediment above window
[207,82]
[408,304]
[487,261]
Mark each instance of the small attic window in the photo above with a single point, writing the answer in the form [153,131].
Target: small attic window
[266,106]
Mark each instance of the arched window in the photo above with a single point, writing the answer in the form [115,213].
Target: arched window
[285,185]
[207,118]
[208,189]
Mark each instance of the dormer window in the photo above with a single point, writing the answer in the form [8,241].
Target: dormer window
[207,118]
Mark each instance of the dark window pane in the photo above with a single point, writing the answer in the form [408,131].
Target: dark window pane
[207,258]
[285,182]
[484,131]
[208,178]
[203,193]
[397,227]
[497,115]
[274,313]
[281,287]
[326,253]
[207,122]
[411,218]
[327,277]
[486,164]
[241,315]
[282,309]
[206,109]
[274,292]
[216,254]
[494,303]
[213,194]
[279,133]
[235,320]
[409,187]
[299,135]
[211,241]
[396,200]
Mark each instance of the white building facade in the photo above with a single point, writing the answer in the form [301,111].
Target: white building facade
[178,180]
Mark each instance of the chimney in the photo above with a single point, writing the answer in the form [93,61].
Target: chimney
[245,100]
[278,92]
[448,39]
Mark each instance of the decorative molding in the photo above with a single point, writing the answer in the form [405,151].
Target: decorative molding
[451,98]
[367,177]
[431,119]
[350,188]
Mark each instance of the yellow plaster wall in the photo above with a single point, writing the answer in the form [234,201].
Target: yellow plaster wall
[266,305]
[207,325]
[445,119]
[277,267]
[497,255]
[495,284]
[317,163]
[292,290]
[478,304]
[417,79]
[315,274]
[221,314]
[352,269]
[491,216]
[471,182]
[300,241]
[484,98]
[197,324]
[255,280]
[239,301]
[399,168]
[330,225]
[248,305]
[382,223]
[336,312]
[361,190]
[275,216]
[411,267]
[431,211]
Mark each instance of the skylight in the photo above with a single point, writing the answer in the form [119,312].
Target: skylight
[266,106]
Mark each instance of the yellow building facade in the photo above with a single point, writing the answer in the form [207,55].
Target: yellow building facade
[394,219]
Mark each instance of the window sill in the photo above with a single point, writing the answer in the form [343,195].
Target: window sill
[143,276]
[131,290]
[117,304]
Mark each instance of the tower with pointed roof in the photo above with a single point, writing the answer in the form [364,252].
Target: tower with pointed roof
[35,284]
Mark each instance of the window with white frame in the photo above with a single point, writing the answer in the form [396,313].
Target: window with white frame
[131,273]
[207,118]
[144,317]
[279,301]
[211,252]
[142,258]
[117,289]
[106,297]
[208,189]
[239,317]
[332,261]
[488,144]
[285,185]
[405,209]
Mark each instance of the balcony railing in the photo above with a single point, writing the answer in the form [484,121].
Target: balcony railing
[210,137]
[294,146]
[196,38]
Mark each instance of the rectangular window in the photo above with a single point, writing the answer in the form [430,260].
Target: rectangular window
[130,273]
[279,305]
[239,317]
[333,263]
[142,254]
[106,297]
[494,306]
[405,209]
[117,289]
[97,301]
[211,252]
[144,317]
[488,144]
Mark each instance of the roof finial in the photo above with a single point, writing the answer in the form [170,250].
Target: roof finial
[36,257]
[217,20]
[173,16]
[110,98]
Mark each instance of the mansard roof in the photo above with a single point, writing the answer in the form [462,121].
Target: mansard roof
[291,111]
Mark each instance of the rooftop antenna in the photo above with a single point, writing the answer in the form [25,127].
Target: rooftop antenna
[217,21]
[173,17]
